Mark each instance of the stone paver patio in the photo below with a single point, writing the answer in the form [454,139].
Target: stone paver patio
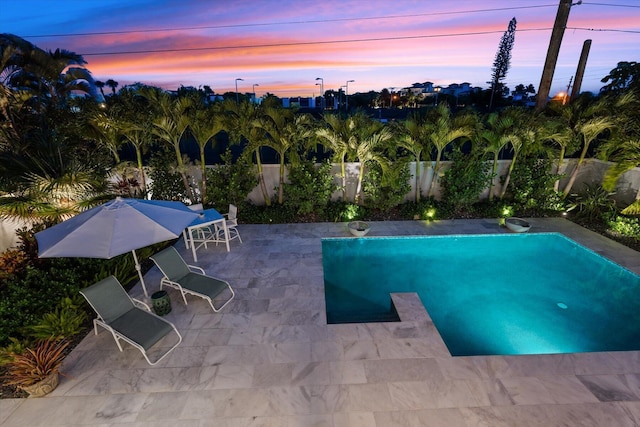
[270,359]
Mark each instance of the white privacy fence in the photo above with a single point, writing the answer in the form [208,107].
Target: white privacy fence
[592,173]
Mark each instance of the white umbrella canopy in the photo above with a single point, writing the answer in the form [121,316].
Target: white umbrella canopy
[115,228]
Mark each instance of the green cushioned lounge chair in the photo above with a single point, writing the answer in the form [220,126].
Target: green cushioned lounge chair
[190,279]
[118,313]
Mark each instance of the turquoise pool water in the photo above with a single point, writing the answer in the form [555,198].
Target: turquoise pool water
[492,294]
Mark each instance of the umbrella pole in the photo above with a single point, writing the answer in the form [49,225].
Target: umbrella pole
[139,268]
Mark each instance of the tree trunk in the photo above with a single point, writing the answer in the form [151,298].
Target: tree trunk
[281,186]
[508,178]
[436,171]
[203,167]
[143,179]
[343,176]
[556,185]
[263,186]
[574,173]
[356,197]
[494,172]
[418,189]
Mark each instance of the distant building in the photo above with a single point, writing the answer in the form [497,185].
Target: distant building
[298,101]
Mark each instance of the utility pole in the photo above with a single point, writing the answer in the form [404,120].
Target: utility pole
[562,16]
[566,94]
[586,47]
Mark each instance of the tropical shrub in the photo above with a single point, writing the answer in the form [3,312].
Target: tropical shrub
[310,187]
[593,204]
[625,226]
[230,182]
[166,181]
[66,321]
[464,181]
[386,190]
[531,185]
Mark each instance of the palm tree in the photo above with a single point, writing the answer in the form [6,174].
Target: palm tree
[368,149]
[338,135]
[443,129]
[100,86]
[170,125]
[286,133]
[413,138]
[106,129]
[112,84]
[625,153]
[496,136]
[586,120]
[242,122]
[204,125]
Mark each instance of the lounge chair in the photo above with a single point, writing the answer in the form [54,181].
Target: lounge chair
[190,279]
[121,315]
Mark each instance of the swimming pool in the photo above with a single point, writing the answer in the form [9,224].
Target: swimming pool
[491,294]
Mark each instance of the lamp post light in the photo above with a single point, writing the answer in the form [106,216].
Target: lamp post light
[254,90]
[437,91]
[321,91]
[237,97]
[346,95]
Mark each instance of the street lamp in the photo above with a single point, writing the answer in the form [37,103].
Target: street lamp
[346,95]
[321,90]
[437,91]
[254,90]
[237,97]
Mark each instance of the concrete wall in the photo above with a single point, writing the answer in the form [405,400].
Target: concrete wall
[591,173]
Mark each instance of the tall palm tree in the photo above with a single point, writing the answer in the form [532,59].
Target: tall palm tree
[586,121]
[242,123]
[105,127]
[286,133]
[413,138]
[169,125]
[339,136]
[496,135]
[443,129]
[112,84]
[204,125]
[369,149]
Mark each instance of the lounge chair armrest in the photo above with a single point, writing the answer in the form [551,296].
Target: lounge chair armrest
[141,304]
[195,267]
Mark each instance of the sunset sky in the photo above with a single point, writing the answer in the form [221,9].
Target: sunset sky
[283,46]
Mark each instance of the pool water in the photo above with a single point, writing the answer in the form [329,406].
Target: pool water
[492,294]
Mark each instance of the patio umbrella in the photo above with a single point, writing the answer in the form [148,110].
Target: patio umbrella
[115,228]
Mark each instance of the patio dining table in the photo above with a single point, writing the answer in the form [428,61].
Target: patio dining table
[200,233]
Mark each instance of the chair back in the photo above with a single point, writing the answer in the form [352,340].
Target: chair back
[108,298]
[171,264]
[233,211]
[197,207]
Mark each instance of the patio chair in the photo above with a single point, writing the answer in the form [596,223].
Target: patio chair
[232,223]
[121,315]
[190,279]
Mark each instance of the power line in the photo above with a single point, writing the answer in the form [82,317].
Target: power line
[612,5]
[372,39]
[315,21]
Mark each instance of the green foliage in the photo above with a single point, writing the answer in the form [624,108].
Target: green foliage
[14,346]
[310,187]
[426,210]
[166,182]
[464,181]
[626,226]
[67,320]
[385,190]
[531,185]
[593,204]
[230,182]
